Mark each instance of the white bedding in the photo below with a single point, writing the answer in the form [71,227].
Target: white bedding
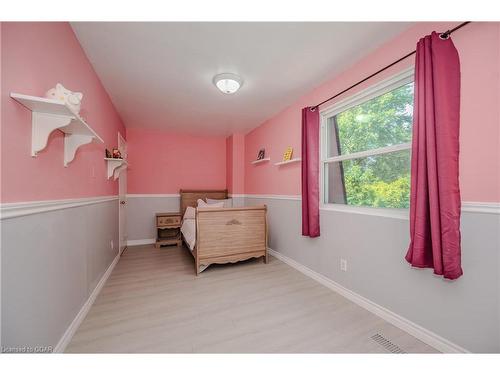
[188,230]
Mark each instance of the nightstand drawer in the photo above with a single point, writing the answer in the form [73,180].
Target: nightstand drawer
[168,233]
[168,220]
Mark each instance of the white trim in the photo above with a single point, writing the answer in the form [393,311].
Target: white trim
[398,213]
[68,335]
[421,333]
[379,88]
[404,213]
[394,213]
[145,241]
[283,197]
[477,207]
[11,210]
[481,207]
[371,152]
[236,195]
[153,195]
[257,196]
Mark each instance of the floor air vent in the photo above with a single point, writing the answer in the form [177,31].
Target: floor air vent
[387,344]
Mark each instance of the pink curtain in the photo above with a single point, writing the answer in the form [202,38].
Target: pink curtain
[435,193]
[310,172]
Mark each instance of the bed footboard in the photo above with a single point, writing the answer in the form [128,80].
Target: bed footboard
[226,235]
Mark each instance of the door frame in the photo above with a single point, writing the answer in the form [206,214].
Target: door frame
[122,196]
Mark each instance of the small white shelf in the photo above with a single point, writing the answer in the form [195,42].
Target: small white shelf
[261,161]
[294,160]
[49,115]
[115,166]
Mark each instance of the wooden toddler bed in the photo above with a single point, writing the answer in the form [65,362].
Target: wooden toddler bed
[223,235]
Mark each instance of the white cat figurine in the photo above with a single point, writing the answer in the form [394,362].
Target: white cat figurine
[72,99]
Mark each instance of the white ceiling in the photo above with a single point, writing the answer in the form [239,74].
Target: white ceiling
[159,75]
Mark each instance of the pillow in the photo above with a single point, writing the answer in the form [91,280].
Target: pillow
[190,213]
[201,203]
[228,203]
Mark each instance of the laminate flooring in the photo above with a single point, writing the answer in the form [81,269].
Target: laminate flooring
[153,303]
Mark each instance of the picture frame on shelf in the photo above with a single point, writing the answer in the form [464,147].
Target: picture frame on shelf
[287,155]
[117,154]
[261,154]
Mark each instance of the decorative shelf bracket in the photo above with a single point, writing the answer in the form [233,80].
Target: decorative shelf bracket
[42,125]
[48,115]
[115,166]
[118,170]
[71,143]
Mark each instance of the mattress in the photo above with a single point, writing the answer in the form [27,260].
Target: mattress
[188,230]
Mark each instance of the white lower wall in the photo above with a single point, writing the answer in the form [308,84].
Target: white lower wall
[465,312]
[141,211]
[52,260]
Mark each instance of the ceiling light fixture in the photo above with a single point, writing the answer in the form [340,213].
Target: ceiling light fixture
[228,83]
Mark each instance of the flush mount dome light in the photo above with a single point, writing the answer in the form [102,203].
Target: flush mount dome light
[228,83]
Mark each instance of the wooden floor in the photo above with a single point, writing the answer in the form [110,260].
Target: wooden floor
[154,303]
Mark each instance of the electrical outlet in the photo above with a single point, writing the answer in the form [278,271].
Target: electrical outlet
[343,264]
[112,244]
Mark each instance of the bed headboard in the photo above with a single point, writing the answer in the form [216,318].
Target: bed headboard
[189,197]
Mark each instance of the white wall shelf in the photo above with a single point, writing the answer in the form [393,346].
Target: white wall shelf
[49,115]
[294,160]
[261,161]
[115,166]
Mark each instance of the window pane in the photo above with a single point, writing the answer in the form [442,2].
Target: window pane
[375,181]
[382,121]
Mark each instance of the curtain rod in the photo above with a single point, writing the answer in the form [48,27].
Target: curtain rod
[444,35]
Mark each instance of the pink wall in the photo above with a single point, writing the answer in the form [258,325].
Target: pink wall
[238,164]
[163,162]
[229,163]
[235,163]
[479,48]
[36,56]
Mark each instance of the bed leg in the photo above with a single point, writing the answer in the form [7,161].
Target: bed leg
[265,258]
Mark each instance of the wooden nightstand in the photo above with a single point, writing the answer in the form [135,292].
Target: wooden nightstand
[168,229]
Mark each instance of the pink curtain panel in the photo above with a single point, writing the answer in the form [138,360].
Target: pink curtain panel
[435,192]
[310,172]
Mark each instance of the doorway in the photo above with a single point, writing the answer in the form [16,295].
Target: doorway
[122,196]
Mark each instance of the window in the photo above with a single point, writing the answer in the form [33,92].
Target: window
[366,142]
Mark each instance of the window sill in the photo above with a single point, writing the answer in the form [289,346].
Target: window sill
[393,213]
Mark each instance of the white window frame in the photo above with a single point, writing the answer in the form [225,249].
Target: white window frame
[402,78]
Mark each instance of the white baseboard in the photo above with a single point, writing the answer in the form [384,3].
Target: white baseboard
[68,335]
[421,333]
[145,241]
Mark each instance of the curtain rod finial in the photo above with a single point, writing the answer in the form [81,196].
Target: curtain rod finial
[445,35]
